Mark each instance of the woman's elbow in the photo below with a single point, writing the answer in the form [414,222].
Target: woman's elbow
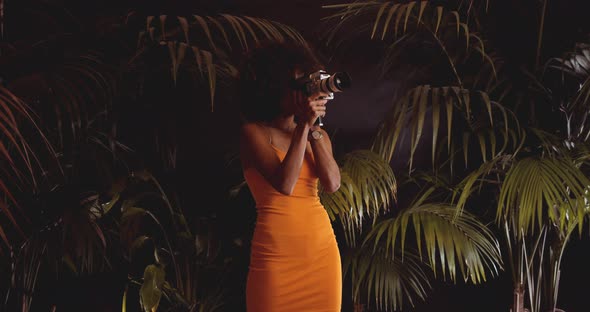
[285,189]
[286,192]
[332,187]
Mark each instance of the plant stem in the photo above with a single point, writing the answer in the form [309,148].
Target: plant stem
[518,304]
[540,37]
[177,273]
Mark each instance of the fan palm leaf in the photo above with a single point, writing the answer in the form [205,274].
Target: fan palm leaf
[533,186]
[19,160]
[211,39]
[410,111]
[387,281]
[450,241]
[574,70]
[382,17]
[367,188]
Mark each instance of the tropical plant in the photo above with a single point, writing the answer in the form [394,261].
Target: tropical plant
[532,169]
[87,120]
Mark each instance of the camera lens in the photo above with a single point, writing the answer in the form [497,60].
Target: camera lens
[336,82]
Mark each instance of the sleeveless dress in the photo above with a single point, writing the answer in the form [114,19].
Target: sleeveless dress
[294,260]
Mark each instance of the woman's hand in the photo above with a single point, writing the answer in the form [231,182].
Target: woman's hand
[312,107]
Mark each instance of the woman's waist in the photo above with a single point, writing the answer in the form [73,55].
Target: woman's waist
[286,231]
[292,219]
[288,202]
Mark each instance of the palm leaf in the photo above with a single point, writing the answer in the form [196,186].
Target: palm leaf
[467,185]
[366,16]
[347,205]
[387,281]
[457,241]
[209,56]
[367,187]
[533,186]
[575,63]
[573,70]
[374,177]
[17,155]
[410,112]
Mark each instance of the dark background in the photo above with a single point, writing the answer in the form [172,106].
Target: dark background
[354,115]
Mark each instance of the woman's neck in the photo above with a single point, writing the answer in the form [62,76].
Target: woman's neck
[286,124]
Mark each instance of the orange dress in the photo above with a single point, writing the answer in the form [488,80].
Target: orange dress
[294,260]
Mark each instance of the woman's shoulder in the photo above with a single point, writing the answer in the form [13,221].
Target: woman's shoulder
[250,127]
[252,131]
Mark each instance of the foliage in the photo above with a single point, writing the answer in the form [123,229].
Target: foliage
[101,111]
[461,95]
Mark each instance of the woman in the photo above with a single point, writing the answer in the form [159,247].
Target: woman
[294,260]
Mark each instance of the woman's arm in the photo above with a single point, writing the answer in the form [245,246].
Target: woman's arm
[256,151]
[326,166]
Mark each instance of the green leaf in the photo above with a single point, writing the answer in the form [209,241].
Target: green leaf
[454,240]
[367,188]
[482,145]
[378,18]
[184,25]
[532,185]
[248,27]
[466,185]
[124,301]
[221,30]
[387,281]
[398,17]
[457,20]
[466,29]
[449,106]
[389,15]
[151,289]
[422,7]
[439,14]
[238,30]
[347,204]
[435,120]
[206,30]
[211,72]
[198,59]
[409,8]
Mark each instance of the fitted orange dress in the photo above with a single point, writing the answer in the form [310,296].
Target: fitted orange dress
[294,261]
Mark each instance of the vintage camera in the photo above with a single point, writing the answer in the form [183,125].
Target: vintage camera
[321,81]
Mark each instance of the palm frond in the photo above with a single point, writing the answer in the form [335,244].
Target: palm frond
[573,70]
[387,281]
[80,89]
[534,187]
[452,242]
[213,40]
[467,187]
[575,63]
[19,160]
[374,178]
[348,207]
[367,187]
[391,14]
[411,110]
[378,18]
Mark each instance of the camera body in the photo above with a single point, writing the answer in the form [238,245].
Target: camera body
[321,81]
